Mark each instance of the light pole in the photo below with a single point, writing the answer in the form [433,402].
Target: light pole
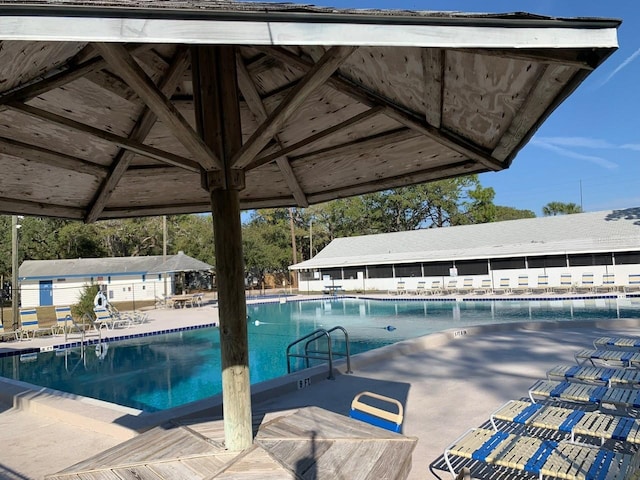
[310,239]
[14,270]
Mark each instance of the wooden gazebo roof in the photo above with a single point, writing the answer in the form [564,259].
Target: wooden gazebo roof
[97,110]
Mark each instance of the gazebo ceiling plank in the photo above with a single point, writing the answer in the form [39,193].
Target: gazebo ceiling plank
[27,207]
[52,158]
[433,73]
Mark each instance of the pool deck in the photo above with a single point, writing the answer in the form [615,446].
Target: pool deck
[448,383]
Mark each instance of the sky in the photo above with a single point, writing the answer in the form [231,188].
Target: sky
[588,151]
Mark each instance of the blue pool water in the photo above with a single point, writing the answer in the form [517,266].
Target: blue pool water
[165,371]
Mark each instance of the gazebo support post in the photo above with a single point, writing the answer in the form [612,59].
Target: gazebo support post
[218,121]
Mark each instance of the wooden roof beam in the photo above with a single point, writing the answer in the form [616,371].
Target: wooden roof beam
[408,119]
[254,102]
[433,73]
[317,75]
[142,128]
[137,147]
[124,65]
[27,207]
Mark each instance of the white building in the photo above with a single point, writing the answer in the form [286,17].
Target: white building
[124,279]
[597,244]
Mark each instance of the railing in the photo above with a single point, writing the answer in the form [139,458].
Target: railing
[326,355]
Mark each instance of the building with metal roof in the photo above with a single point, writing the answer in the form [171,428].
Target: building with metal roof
[60,282]
[595,243]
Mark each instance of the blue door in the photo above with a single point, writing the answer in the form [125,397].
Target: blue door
[46,293]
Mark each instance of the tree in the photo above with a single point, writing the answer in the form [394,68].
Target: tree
[510,213]
[560,208]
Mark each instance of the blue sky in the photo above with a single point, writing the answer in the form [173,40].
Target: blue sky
[588,150]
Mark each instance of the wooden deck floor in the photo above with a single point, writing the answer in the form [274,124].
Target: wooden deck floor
[311,443]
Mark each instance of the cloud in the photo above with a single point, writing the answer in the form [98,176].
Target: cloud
[557,144]
[629,59]
[631,146]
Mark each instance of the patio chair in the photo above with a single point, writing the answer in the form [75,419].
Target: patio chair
[633,285]
[596,395]
[617,342]
[8,334]
[504,287]
[467,286]
[542,286]
[375,415]
[436,288]
[420,288]
[106,319]
[523,285]
[601,375]
[548,458]
[29,324]
[566,284]
[587,285]
[452,286]
[594,424]
[64,322]
[622,358]
[401,288]
[608,283]
[485,287]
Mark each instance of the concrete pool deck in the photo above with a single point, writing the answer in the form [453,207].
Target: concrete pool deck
[448,382]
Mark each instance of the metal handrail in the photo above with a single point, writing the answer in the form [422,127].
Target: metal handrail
[319,354]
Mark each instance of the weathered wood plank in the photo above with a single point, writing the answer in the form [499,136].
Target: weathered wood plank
[433,73]
[316,76]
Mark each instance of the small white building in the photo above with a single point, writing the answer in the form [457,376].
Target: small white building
[124,279]
[587,245]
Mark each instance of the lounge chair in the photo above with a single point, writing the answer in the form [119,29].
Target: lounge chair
[64,322]
[9,334]
[504,287]
[566,284]
[420,288]
[542,457]
[467,286]
[633,285]
[601,375]
[597,395]
[401,289]
[587,285]
[603,426]
[452,286]
[377,416]
[542,286]
[29,324]
[108,320]
[523,285]
[622,358]
[485,287]
[608,283]
[436,288]
[616,342]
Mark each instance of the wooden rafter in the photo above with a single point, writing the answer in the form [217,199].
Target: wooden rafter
[126,67]
[371,112]
[550,56]
[433,72]
[27,207]
[49,157]
[142,128]
[317,75]
[254,102]
[123,142]
[408,119]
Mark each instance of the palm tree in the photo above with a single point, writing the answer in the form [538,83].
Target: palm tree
[560,208]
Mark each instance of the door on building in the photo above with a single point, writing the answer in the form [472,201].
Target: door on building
[46,293]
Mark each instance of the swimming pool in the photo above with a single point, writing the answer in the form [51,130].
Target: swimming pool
[165,371]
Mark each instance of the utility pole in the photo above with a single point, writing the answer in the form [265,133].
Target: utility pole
[164,253]
[14,272]
[293,245]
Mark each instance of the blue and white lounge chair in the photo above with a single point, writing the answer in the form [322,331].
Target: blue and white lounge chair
[622,358]
[29,324]
[544,458]
[598,395]
[633,285]
[377,416]
[64,322]
[608,283]
[106,319]
[566,284]
[9,334]
[523,285]
[601,375]
[587,285]
[503,287]
[542,286]
[617,342]
[603,426]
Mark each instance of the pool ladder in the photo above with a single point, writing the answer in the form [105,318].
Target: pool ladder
[320,354]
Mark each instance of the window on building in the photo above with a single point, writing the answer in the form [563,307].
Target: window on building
[352,272]
[544,261]
[589,259]
[627,258]
[437,269]
[507,263]
[332,273]
[379,271]
[408,270]
[306,275]
[473,267]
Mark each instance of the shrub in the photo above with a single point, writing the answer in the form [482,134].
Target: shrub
[85,303]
